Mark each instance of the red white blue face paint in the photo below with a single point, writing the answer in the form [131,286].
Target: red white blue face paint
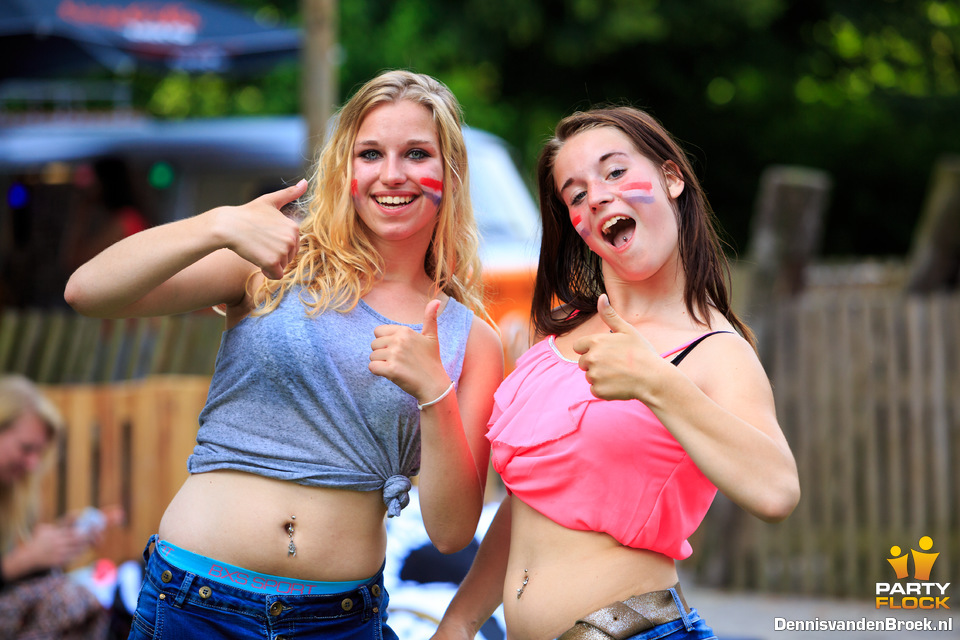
[433,189]
[355,193]
[581,228]
[638,192]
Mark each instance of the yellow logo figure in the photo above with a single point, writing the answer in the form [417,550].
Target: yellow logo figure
[923,562]
[899,564]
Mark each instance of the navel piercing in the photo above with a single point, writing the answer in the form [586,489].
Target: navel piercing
[291,548]
[523,586]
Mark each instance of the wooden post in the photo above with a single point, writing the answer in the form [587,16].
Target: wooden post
[934,261]
[318,75]
[787,226]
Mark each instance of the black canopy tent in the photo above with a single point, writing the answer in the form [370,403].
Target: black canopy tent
[44,38]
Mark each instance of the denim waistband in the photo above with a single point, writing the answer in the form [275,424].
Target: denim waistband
[239,577]
[181,586]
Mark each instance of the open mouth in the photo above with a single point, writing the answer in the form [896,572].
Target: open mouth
[618,230]
[394,202]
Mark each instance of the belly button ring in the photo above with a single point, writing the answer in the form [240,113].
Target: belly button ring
[291,548]
[523,586]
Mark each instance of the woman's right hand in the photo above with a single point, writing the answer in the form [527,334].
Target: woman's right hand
[260,233]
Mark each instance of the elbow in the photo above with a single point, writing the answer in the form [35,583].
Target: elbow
[452,536]
[77,296]
[779,504]
[74,296]
[450,543]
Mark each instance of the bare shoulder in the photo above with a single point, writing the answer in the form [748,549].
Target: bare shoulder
[484,342]
[725,360]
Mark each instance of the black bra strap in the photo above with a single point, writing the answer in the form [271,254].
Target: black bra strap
[683,354]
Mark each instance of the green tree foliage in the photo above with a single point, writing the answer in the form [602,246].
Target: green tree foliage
[867,90]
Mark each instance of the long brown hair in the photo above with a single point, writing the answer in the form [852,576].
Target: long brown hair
[570,273]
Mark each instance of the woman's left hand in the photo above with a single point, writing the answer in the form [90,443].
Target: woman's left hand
[615,362]
[409,359]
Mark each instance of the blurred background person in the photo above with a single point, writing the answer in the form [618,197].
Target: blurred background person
[37,599]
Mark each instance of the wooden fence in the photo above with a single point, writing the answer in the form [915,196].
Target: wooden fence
[62,347]
[127,444]
[867,385]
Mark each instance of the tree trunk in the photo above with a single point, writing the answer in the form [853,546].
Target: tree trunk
[319,69]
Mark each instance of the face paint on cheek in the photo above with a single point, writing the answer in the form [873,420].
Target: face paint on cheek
[580,226]
[433,189]
[355,193]
[641,192]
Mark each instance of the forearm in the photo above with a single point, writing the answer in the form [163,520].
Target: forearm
[481,591]
[747,457]
[122,274]
[450,483]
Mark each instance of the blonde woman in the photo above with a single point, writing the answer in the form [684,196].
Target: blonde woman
[352,360]
[34,596]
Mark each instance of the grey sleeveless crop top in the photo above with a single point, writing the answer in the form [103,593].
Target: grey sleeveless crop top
[292,398]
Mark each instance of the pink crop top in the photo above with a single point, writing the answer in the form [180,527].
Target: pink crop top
[591,464]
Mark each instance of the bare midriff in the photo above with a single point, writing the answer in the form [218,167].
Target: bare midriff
[570,574]
[244,520]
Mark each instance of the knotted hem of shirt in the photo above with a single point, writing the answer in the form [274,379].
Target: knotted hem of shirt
[396,494]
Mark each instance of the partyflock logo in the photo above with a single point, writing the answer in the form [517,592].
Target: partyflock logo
[917,594]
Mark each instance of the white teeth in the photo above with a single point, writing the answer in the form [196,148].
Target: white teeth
[612,221]
[394,200]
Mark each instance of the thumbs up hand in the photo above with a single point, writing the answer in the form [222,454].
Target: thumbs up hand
[409,359]
[615,362]
[260,233]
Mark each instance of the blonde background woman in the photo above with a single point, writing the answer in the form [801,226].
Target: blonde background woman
[36,598]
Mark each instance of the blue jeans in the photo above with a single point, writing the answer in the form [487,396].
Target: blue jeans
[176,604]
[689,627]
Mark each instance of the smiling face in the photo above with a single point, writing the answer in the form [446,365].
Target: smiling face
[22,445]
[619,201]
[398,172]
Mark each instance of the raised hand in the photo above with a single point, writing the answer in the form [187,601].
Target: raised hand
[260,233]
[409,359]
[56,545]
[616,362]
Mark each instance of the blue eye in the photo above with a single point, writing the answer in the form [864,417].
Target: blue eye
[369,154]
[418,154]
[578,198]
[616,173]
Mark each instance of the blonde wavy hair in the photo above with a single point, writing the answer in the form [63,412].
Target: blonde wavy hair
[19,500]
[336,263]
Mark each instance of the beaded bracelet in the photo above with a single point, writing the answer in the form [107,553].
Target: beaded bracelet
[432,402]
